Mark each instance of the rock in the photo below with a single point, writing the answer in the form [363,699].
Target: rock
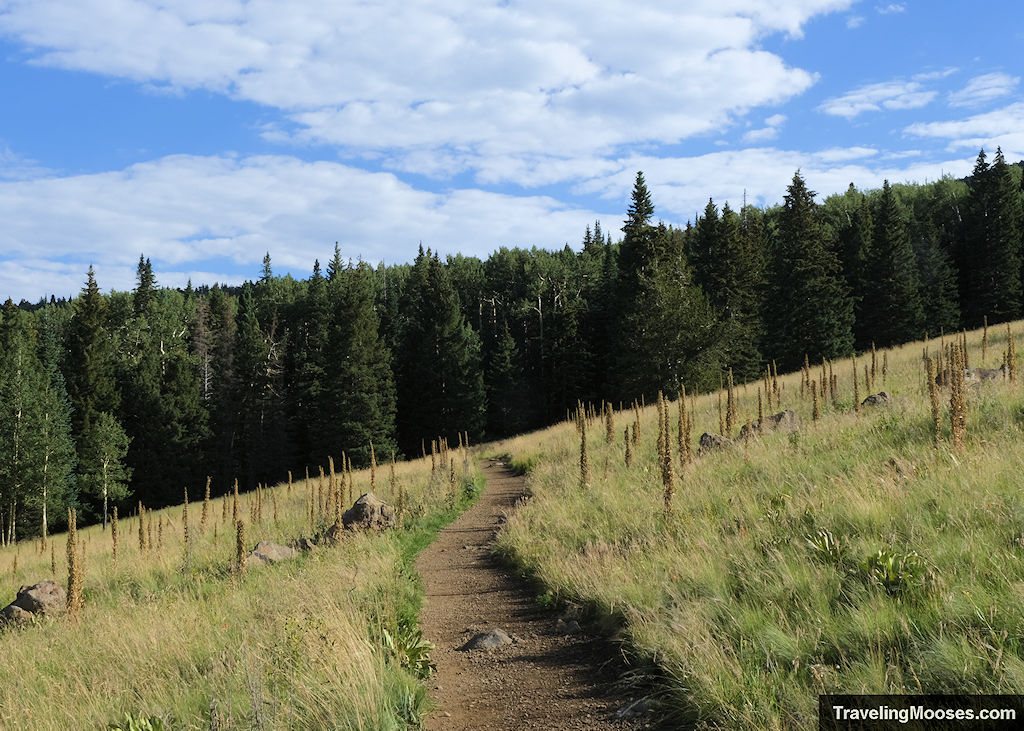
[369,513]
[46,597]
[567,628]
[785,421]
[984,374]
[12,614]
[635,709]
[710,442]
[876,399]
[267,552]
[488,640]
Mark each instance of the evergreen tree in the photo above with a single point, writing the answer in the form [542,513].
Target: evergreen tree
[358,385]
[89,366]
[813,311]
[503,382]
[892,309]
[992,234]
[667,332]
[441,390]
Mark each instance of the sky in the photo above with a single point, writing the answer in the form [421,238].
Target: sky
[203,134]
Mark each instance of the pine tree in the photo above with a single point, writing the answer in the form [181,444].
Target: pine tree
[90,365]
[992,235]
[358,386]
[892,310]
[813,310]
[440,385]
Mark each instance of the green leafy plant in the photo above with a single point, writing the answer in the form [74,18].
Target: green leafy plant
[407,647]
[825,546]
[894,572]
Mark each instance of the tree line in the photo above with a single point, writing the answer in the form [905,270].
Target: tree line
[134,396]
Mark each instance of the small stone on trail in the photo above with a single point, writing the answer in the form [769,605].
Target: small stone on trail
[488,640]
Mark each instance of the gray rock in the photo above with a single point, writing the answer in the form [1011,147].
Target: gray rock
[877,399]
[984,374]
[12,614]
[488,640]
[785,421]
[711,442]
[634,710]
[568,627]
[267,552]
[369,513]
[46,597]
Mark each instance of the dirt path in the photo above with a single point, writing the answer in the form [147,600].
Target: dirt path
[544,679]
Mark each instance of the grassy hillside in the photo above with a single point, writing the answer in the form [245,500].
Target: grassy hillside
[854,555]
[327,640]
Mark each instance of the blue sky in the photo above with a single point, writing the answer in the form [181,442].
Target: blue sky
[205,133]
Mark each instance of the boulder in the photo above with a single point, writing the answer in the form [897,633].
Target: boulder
[267,552]
[369,513]
[46,597]
[877,399]
[785,421]
[710,442]
[984,374]
[12,614]
[488,640]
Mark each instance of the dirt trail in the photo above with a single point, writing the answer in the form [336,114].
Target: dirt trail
[545,679]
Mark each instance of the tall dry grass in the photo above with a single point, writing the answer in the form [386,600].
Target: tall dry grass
[854,555]
[170,631]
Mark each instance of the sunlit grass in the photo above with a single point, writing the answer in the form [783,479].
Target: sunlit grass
[178,633]
[851,556]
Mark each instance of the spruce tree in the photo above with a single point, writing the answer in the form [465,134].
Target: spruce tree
[440,386]
[992,235]
[892,309]
[813,310]
[358,382]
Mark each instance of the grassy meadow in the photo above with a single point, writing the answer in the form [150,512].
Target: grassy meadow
[178,634]
[855,555]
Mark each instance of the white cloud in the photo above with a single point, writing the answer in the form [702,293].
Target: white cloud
[445,86]
[891,8]
[206,218]
[190,214]
[769,132]
[854,21]
[896,94]
[999,128]
[680,187]
[982,89]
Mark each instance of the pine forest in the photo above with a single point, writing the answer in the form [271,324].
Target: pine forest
[112,399]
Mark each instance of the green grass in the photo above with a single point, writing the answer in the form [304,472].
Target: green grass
[328,640]
[851,557]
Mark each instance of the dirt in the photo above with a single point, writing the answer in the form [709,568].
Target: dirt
[552,675]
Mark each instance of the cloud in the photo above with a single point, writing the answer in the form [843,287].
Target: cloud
[982,89]
[680,187]
[854,21]
[212,218]
[891,9]
[896,94]
[16,167]
[999,128]
[197,216]
[449,86]
[766,133]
